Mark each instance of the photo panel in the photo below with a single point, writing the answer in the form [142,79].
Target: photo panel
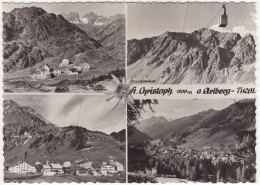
[203,140]
[191,43]
[63,138]
[63,47]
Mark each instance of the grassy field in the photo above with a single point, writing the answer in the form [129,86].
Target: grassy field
[49,179]
[64,179]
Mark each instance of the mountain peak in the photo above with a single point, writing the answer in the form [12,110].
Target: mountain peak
[203,56]
[72,17]
[10,103]
[90,14]
[28,12]
[248,38]
[22,27]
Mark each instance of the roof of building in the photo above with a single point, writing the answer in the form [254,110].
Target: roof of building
[108,165]
[66,161]
[46,166]
[54,165]
[19,163]
[80,160]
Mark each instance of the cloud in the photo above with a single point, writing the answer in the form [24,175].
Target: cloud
[70,105]
[219,29]
[242,30]
[170,115]
[63,110]
[236,29]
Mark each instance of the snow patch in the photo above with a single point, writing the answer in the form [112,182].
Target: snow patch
[75,22]
[98,23]
[26,141]
[84,20]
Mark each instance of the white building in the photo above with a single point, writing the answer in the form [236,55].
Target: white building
[82,172]
[66,164]
[58,71]
[119,167]
[38,162]
[107,169]
[47,170]
[111,160]
[48,162]
[46,67]
[85,66]
[86,164]
[56,168]
[73,73]
[78,68]
[26,134]
[22,168]
[65,61]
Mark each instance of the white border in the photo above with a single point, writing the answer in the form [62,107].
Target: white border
[136,1]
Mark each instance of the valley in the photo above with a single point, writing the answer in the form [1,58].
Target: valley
[69,151]
[91,56]
[196,147]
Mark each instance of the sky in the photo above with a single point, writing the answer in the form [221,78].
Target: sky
[174,109]
[153,19]
[104,9]
[95,114]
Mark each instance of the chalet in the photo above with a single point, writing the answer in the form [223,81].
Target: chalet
[47,67]
[58,72]
[47,170]
[78,161]
[84,163]
[38,162]
[73,71]
[43,74]
[78,68]
[111,159]
[47,162]
[72,170]
[119,167]
[22,168]
[56,168]
[66,164]
[26,134]
[65,61]
[85,66]
[105,169]
[82,172]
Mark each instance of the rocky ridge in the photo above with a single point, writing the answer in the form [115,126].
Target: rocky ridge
[29,137]
[110,31]
[31,35]
[204,56]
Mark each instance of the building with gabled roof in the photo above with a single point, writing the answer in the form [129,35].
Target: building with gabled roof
[56,168]
[22,168]
[66,164]
[47,171]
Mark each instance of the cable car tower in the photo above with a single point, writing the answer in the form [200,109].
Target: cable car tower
[223,19]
